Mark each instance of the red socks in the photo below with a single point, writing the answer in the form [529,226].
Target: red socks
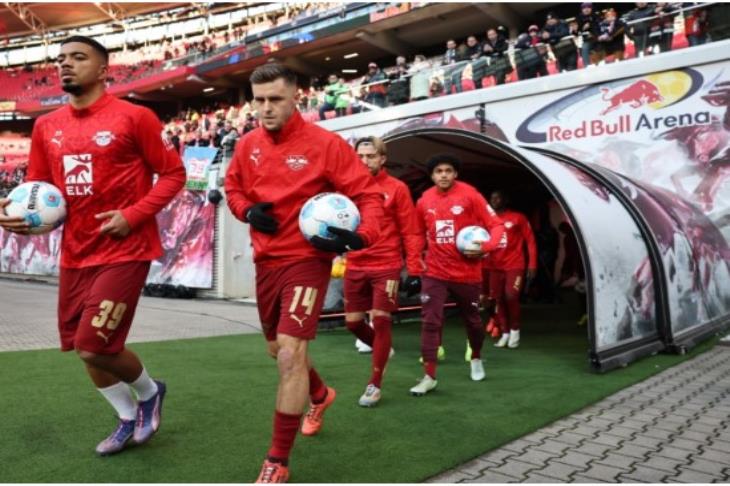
[430,367]
[381,348]
[363,332]
[317,389]
[285,431]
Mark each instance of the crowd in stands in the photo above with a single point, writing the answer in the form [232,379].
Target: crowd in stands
[476,61]
[589,38]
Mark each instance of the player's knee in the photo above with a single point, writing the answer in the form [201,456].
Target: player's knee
[380,313]
[87,356]
[431,327]
[290,360]
[353,325]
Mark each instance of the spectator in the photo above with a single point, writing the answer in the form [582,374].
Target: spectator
[494,48]
[695,26]
[638,27]
[529,56]
[343,99]
[450,56]
[588,23]
[420,72]
[473,49]
[662,28]
[553,33]
[610,38]
[229,139]
[398,89]
[376,92]
[332,92]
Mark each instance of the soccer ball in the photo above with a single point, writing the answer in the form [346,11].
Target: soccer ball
[41,204]
[327,209]
[470,238]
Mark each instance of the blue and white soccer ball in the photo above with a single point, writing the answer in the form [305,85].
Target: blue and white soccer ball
[41,204]
[327,209]
[470,238]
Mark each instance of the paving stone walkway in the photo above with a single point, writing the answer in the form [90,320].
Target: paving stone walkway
[673,427]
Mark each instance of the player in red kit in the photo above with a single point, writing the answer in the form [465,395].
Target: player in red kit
[505,269]
[274,170]
[443,211]
[372,275]
[102,153]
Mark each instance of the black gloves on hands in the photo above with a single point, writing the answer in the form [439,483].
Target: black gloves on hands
[260,220]
[412,286]
[343,241]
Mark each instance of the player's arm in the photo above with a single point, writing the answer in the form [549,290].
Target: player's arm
[235,182]
[493,223]
[410,230]
[256,214]
[350,177]
[164,160]
[529,238]
[38,170]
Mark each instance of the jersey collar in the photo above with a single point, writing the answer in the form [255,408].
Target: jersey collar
[290,128]
[381,175]
[95,107]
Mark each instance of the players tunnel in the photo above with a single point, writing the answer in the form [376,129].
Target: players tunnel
[656,269]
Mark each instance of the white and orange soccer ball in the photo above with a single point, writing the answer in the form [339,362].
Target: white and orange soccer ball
[470,238]
[327,209]
[41,204]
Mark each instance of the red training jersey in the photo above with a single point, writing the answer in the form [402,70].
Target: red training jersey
[441,216]
[510,254]
[288,167]
[103,157]
[399,232]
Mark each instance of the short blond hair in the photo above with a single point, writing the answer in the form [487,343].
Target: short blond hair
[375,142]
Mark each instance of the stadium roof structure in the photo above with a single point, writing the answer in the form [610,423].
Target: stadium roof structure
[19,19]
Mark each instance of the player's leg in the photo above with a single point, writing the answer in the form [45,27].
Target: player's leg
[385,301]
[299,290]
[358,300]
[514,280]
[467,298]
[433,298]
[488,301]
[110,304]
[497,284]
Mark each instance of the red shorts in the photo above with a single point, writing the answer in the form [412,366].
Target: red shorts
[290,297]
[371,289]
[96,305]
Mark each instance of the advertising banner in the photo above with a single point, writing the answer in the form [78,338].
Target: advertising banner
[197,160]
[186,230]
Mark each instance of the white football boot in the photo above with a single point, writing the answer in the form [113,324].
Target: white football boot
[371,397]
[502,341]
[477,370]
[514,339]
[424,386]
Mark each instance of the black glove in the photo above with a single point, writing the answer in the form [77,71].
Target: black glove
[215,196]
[344,240]
[412,286]
[257,217]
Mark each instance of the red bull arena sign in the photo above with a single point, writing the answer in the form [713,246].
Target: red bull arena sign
[618,107]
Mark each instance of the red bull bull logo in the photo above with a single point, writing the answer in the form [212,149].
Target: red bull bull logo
[637,94]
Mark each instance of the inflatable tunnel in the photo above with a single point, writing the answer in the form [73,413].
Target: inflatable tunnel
[656,270]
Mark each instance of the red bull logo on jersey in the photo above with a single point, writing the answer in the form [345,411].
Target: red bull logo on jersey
[103,138]
[78,175]
[445,233]
[618,107]
[296,162]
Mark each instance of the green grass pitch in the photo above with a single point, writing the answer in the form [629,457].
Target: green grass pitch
[218,412]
